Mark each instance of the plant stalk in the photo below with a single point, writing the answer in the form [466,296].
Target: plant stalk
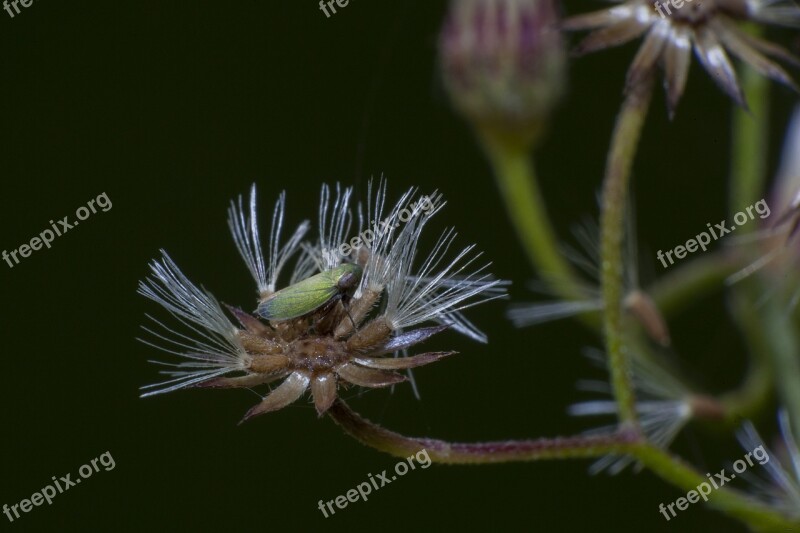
[516,178]
[669,468]
[624,143]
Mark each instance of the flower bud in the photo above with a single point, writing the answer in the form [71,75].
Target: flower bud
[503,63]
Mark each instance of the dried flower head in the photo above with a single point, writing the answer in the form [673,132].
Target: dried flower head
[710,27]
[345,339]
[664,405]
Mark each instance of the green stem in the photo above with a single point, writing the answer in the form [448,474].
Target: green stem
[666,466]
[756,390]
[770,330]
[516,179]
[688,283]
[784,349]
[612,223]
[750,141]
[675,471]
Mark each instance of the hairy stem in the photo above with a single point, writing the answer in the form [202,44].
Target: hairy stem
[382,439]
[664,465]
[612,223]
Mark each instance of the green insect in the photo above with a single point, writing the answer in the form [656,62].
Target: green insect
[312,293]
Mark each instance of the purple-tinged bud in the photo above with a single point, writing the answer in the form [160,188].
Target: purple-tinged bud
[503,63]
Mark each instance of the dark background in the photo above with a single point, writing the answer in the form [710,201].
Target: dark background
[172,109]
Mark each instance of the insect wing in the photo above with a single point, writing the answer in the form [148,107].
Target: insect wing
[299,299]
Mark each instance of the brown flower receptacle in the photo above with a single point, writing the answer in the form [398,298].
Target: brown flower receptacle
[322,362]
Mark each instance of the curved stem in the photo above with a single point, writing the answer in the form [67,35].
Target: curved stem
[690,282]
[756,390]
[382,439]
[612,223]
[516,177]
[629,442]
[675,471]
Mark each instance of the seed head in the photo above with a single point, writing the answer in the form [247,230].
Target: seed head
[710,27]
[664,405]
[346,340]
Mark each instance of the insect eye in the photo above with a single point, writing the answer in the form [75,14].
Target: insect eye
[347,281]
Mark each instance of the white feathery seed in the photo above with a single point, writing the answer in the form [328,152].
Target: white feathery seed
[244,228]
[212,347]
